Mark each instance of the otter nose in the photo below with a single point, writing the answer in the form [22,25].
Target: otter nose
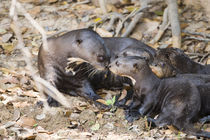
[108,66]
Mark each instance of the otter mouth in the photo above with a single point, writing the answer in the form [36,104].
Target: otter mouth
[156,71]
[80,67]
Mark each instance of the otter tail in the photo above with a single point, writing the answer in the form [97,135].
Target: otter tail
[197,132]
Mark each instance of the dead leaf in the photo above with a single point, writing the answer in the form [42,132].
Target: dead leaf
[99,116]
[52,1]
[16,115]
[101,101]
[36,10]
[26,121]
[2,31]
[103,32]
[208,61]
[123,95]
[95,127]
[8,47]
[20,104]
[30,93]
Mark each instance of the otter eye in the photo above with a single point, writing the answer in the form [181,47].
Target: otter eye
[117,63]
[162,64]
[79,41]
[100,58]
[124,54]
[167,56]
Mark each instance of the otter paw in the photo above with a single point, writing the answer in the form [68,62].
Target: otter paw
[102,106]
[131,115]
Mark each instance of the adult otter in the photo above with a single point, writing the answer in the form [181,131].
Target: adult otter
[176,101]
[180,62]
[83,43]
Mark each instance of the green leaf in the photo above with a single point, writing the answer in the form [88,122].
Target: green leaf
[159,13]
[109,102]
[35,125]
[113,100]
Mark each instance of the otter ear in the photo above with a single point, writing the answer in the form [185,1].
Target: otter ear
[135,66]
[79,41]
[124,54]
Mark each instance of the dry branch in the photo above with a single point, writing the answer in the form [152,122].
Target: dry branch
[138,15]
[163,27]
[197,38]
[196,33]
[174,20]
[102,4]
[52,91]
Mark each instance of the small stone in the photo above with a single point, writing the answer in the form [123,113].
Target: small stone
[42,136]
[2,131]
[109,126]
[87,115]
[74,116]
[6,37]
[40,117]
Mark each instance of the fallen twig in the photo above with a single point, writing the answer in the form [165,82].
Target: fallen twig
[102,4]
[196,33]
[114,16]
[196,38]
[120,25]
[204,56]
[79,3]
[48,87]
[138,15]
[163,27]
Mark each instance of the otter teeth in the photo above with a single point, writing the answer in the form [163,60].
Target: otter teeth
[132,79]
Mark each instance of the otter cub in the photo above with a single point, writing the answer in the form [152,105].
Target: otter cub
[83,43]
[176,101]
[180,62]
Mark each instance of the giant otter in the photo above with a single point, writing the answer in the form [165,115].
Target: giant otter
[180,62]
[83,43]
[177,101]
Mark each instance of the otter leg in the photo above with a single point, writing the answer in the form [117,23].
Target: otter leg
[132,113]
[147,105]
[205,119]
[89,93]
[50,76]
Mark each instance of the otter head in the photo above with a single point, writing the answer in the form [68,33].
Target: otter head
[162,69]
[89,46]
[129,65]
[129,51]
[174,57]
